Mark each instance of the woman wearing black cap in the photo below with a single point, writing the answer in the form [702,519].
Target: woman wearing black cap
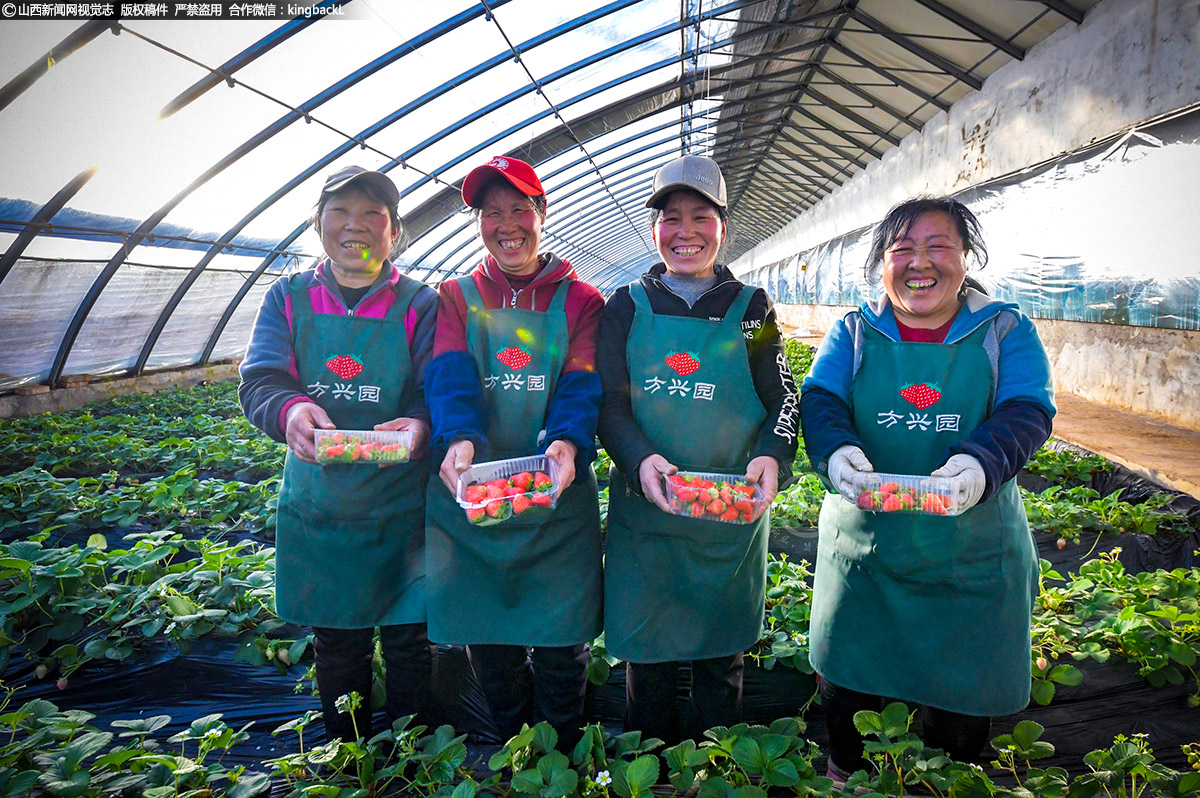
[513,375]
[345,345]
[680,589]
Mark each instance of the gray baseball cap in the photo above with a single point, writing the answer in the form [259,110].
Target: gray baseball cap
[694,172]
[356,174]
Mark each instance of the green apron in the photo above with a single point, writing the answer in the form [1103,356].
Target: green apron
[530,582]
[350,543]
[681,588]
[929,609]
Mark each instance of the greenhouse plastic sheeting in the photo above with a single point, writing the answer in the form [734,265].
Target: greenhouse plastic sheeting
[1100,235]
[36,290]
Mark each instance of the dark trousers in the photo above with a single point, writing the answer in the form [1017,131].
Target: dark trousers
[962,737]
[343,664]
[651,697]
[521,688]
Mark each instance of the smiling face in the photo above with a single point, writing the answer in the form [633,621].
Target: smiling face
[924,269]
[511,228]
[357,234]
[688,234]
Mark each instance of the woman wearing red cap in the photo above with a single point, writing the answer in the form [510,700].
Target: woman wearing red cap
[694,379]
[526,582]
[346,345]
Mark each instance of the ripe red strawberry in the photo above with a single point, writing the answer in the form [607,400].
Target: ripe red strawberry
[498,508]
[542,482]
[473,515]
[696,509]
[932,503]
[744,506]
[512,491]
[892,503]
[866,501]
[921,394]
[514,357]
[684,363]
[522,480]
[907,502]
[686,494]
[745,490]
[725,494]
[475,493]
[541,499]
[730,515]
[345,366]
[677,479]
[889,487]
[715,507]
[521,503]
[494,491]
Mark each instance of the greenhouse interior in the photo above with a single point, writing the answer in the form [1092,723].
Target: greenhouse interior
[162,168]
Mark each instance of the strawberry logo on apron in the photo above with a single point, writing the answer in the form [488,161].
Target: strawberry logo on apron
[921,394]
[515,357]
[345,366]
[684,363]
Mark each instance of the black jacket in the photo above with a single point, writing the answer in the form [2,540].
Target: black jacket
[619,433]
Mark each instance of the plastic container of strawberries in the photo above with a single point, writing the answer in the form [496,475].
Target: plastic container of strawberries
[713,496]
[518,499]
[369,446]
[904,493]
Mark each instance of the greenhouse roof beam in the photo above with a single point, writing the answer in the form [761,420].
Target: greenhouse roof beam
[933,100]
[136,237]
[34,72]
[224,73]
[1064,8]
[949,67]
[41,219]
[975,28]
[350,143]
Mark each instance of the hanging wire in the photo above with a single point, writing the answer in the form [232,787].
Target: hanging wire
[566,126]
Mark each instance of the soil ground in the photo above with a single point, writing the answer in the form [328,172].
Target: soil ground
[1162,453]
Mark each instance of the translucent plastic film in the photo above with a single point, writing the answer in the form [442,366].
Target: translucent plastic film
[1100,235]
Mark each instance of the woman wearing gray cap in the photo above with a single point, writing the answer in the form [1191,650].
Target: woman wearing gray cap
[694,379]
[345,345]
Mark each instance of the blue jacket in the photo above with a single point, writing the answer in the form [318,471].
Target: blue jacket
[1022,408]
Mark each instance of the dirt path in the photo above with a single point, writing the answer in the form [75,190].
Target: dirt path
[1161,452]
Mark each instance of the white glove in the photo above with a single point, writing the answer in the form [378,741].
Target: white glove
[967,483]
[844,464]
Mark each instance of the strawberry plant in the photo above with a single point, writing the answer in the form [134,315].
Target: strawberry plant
[1150,619]
[788,606]
[1063,465]
[799,358]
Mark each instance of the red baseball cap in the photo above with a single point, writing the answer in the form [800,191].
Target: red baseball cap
[515,171]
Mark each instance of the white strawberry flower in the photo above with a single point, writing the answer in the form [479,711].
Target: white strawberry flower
[603,779]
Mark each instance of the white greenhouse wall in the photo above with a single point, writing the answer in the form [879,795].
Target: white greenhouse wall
[1129,61]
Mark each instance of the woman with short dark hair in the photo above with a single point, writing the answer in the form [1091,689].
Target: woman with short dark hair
[932,377]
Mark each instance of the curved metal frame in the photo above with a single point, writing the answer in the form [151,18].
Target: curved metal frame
[786,168]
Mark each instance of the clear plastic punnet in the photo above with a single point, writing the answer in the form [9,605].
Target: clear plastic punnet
[498,490]
[713,496]
[904,493]
[362,445]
